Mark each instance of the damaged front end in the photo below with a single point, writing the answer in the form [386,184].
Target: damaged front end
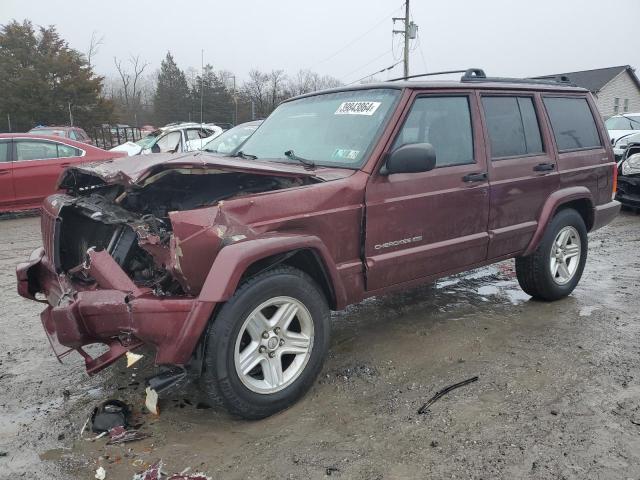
[125,256]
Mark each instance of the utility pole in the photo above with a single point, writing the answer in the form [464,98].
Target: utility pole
[410,30]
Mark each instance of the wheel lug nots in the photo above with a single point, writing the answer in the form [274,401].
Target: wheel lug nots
[281,341]
[265,334]
[262,349]
[276,330]
[272,354]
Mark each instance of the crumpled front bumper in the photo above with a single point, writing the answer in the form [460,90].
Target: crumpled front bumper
[629,190]
[114,312]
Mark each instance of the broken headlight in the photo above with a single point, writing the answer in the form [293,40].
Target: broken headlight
[631,166]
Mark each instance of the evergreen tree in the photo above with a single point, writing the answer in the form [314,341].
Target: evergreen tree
[172,99]
[217,100]
[42,78]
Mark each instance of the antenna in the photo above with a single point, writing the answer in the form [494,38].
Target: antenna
[201,93]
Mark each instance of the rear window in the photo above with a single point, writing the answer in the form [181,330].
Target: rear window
[512,125]
[573,125]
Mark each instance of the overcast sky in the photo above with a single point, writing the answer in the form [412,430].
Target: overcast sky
[348,39]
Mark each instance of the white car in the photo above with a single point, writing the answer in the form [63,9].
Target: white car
[619,126]
[620,145]
[183,137]
[232,138]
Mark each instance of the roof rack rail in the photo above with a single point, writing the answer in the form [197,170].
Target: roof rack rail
[478,75]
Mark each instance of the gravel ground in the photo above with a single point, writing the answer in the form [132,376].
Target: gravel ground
[558,394]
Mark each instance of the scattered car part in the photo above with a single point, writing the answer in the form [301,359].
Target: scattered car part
[133,358]
[441,393]
[110,414]
[119,435]
[151,401]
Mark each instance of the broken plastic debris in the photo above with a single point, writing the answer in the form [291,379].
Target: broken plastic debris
[191,476]
[111,413]
[151,473]
[132,358]
[101,473]
[118,435]
[151,402]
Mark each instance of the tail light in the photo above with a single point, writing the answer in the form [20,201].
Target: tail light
[615,181]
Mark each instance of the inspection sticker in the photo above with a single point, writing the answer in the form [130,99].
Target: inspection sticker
[357,108]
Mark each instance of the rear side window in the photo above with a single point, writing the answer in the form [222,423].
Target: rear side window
[44,150]
[573,125]
[512,125]
[65,151]
[4,151]
[445,123]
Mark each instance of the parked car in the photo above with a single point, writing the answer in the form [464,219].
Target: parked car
[178,138]
[620,125]
[229,140]
[30,165]
[629,176]
[228,266]
[621,144]
[73,133]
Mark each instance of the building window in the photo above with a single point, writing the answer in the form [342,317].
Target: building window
[626,104]
[616,105]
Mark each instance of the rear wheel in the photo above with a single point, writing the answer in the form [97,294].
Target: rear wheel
[555,268]
[267,344]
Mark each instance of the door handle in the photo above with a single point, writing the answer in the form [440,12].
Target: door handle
[475,177]
[544,167]
[4,172]
[65,165]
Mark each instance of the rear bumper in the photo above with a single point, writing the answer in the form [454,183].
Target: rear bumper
[604,214]
[115,312]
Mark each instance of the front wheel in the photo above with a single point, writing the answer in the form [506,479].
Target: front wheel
[267,344]
[555,268]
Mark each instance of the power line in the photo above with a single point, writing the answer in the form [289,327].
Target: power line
[366,64]
[375,73]
[342,49]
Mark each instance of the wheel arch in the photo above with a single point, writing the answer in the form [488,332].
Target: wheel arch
[236,263]
[578,198]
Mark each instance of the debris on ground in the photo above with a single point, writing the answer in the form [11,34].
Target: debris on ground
[330,470]
[112,413]
[132,358]
[425,408]
[101,473]
[191,476]
[154,472]
[119,434]
[151,402]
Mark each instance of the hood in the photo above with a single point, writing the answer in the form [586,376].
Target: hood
[129,148]
[133,171]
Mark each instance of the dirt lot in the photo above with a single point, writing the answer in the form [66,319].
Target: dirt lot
[558,394]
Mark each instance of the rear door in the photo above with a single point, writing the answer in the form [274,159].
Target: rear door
[36,167]
[7,196]
[423,224]
[522,167]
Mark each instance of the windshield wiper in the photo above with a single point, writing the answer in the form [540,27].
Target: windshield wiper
[245,156]
[308,164]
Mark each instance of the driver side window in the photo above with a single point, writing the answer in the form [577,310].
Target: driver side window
[445,123]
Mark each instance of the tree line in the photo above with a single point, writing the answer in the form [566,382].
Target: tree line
[46,82]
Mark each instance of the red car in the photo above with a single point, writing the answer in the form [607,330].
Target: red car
[31,164]
[72,133]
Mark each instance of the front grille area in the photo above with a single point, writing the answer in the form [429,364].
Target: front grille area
[50,229]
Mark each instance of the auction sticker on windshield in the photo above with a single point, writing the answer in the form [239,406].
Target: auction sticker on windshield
[357,108]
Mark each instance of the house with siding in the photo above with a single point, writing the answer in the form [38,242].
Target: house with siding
[616,89]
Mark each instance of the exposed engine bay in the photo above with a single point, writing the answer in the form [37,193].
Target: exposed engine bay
[132,223]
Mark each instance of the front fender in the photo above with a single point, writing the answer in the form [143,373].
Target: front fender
[233,260]
[549,209]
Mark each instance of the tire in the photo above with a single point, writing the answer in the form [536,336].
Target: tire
[535,272]
[234,343]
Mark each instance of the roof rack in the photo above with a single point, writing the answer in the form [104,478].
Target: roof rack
[478,75]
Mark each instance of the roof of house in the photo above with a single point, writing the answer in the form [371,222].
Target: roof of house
[594,80]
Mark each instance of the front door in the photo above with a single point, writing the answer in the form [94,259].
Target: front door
[424,224]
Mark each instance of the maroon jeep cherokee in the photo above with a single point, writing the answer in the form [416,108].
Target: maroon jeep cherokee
[228,266]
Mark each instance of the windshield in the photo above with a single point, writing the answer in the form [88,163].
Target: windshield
[228,141]
[623,123]
[331,129]
[146,142]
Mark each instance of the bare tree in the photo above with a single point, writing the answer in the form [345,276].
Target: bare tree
[94,47]
[307,81]
[130,91]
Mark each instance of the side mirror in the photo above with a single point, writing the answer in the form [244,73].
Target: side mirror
[155,148]
[411,158]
